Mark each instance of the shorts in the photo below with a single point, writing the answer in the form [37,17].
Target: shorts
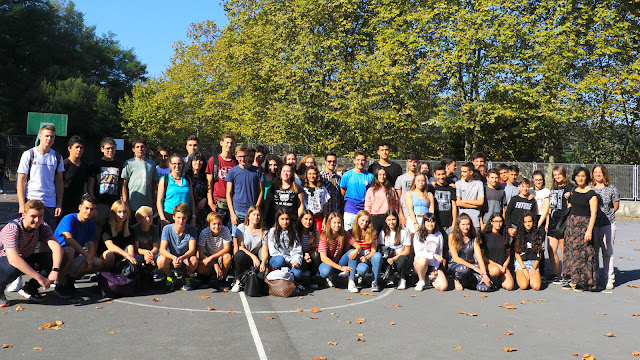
[527,263]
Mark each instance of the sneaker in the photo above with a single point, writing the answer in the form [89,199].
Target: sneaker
[420,285]
[567,286]
[557,280]
[30,291]
[3,300]
[609,285]
[359,281]
[187,284]
[63,290]
[374,287]
[168,283]
[314,286]
[402,285]
[329,282]
[15,285]
[352,287]
[343,274]
[236,287]
[578,288]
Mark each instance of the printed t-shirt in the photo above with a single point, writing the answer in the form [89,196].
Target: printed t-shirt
[443,196]
[220,187]
[41,175]
[107,185]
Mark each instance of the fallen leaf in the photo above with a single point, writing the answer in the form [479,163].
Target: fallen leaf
[509,332]
[19,308]
[205,297]
[231,312]
[588,356]
[466,295]
[6,346]
[338,288]
[270,318]
[348,321]
[635,353]
[332,343]
[392,323]
[313,317]
[510,349]
[603,313]
[610,334]
[632,286]
[396,305]
[510,307]
[462,312]
[458,347]
[360,335]
[51,325]
[155,300]
[360,320]
[523,302]
[319,358]
[300,310]
[361,339]
[315,310]
[636,249]
[350,299]
[470,314]
[483,296]
[109,302]
[367,294]
[225,290]
[332,313]
[111,332]
[300,297]
[4,312]
[485,325]
[542,299]
[209,308]
[387,307]
[37,348]
[635,314]
[98,307]
[575,354]
[413,295]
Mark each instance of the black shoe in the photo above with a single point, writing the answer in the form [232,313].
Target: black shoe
[567,286]
[64,290]
[30,291]
[3,299]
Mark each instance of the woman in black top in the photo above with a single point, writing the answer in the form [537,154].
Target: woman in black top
[527,250]
[578,242]
[496,251]
[197,178]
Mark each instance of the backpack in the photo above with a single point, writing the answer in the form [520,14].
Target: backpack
[32,157]
[113,285]
[215,166]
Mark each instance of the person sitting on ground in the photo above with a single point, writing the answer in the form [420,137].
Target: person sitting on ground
[467,264]
[527,246]
[146,236]
[396,245]
[214,250]
[178,248]
[334,251]
[369,259]
[285,247]
[428,244]
[496,249]
[309,236]
[18,242]
[252,246]
[74,233]
[117,243]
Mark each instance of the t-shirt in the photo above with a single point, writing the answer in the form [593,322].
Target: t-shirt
[14,236]
[510,191]
[107,184]
[220,187]
[213,244]
[517,208]
[403,182]
[356,185]
[81,232]
[74,179]
[557,201]
[251,242]
[41,176]
[606,196]
[494,202]
[433,244]
[120,239]
[443,195]
[146,239]
[334,251]
[246,186]
[540,195]
[178,245]
[390,240]
[580,203]
[142,178]
[451,179]
[288,200]
[393,171]
[162,172]
[365,249]
[494,247]
[315,198]
[529,254]
[472,190]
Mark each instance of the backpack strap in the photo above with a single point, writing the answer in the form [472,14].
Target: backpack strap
[215,167]
[32,156]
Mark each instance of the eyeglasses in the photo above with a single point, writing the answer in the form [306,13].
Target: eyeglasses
[331,161]
[430,220]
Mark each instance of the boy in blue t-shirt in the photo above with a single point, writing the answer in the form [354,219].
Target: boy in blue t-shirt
[354,184]
[178,247]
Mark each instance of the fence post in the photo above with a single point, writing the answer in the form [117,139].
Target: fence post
[635,182]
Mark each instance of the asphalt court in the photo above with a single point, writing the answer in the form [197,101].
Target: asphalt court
[548,324]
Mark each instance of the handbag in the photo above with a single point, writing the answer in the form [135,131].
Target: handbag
[561,225]
[253,283]
[114,285]
[283,288]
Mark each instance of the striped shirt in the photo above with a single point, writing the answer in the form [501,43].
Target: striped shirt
[14,236]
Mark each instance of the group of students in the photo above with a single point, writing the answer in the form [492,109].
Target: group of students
[246,208]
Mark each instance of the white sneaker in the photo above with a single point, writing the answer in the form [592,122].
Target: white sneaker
[420,285]
[375,287]
[402,284]
[352,287]
[15,285]
[343,274]
[609,285]
[236,287]
[329,282]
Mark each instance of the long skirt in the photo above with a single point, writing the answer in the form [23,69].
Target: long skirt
[580,258]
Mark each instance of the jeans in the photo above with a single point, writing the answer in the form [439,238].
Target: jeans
[278,262]
[374,263]
[326,270]
[604,240]
[41,262]
[241,216]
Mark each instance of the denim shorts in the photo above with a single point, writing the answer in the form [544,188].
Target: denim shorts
[527,263]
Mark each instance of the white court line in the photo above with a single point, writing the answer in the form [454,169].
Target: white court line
[254,330]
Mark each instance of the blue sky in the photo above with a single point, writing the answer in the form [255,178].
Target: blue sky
[149,27]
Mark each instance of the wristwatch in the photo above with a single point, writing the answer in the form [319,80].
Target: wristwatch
[56,269]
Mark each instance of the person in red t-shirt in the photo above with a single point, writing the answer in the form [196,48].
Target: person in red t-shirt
[216,177]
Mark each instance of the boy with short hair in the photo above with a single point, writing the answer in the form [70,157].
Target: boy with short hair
[104,181]
[392,169]
[403,184]
[163,168]
[218,167]
[450,169]
[470,194]
[511,186]
[354,185]
[18,242]
[178,247]
[479,159]
[445,201]
[495,199]
[503,171]
[146,236]
[244,187]
[259,156]
[139,177]
[192,145]
[214,249]
[75,175]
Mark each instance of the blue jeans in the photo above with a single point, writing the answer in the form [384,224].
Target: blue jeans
[374,263]
[327,270]
[278,262]
[241,216]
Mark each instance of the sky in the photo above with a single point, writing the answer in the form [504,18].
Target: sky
[149,27]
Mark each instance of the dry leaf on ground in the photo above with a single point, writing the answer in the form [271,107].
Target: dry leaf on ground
[635,314]
[470,314]
[360,320]
[350,299]
[313,317]
[299,310]
[155,300]
[610,334]
[575,354]
[231,312]
[98,307]
[109,302]
[466,295]
[332,343]
[458,347]
[319,358]
[509,332]
[332,313]
[542,299]
[632,286]
[360,335]
[483,296]
[315,310]
[396,305]
[270,318]
[348,321]
[414,295]
[523,302]
[392,323]
[588,356]
[19,308]
[6,346]
[510,349]
[209,308]
[50,325]
[205,297]
[37,348]
[603,313]
[361,339]
[462,312]
[635,353]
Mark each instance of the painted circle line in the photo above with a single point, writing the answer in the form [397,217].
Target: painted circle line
[376,298]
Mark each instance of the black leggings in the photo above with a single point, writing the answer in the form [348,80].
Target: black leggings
[377,221]
[242,262]
[312,267]
[403,265]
